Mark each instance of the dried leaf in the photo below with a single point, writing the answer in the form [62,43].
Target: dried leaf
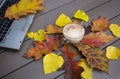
[94,56]
[42,48]
[37,36]
[97,39]
[23,7]
[100,24]
[72,69]
[50,29]
[115,28]
[68,50]
[87,73]
[80,14]
[63,20]
[112,52]
[52,62]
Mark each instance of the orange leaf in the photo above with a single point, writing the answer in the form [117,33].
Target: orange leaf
[68,50]
[100,24]
[97,39]
[42,48]
[50,29]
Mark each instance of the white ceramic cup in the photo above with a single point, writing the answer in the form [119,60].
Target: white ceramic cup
[73,32]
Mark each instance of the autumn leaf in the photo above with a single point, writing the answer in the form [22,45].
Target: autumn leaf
[42,48]
[23,8]
[52,62]
[72,70]
[68,50]
[87,73]
[80,14]
[37,36]
[112,52]
[50,29]
[97,39]
[100,24]
[63,20]
[115,29]
[95,57]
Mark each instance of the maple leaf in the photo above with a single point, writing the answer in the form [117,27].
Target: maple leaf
[94,56]
[23,7]
[42,48]
[50,29]
[57,62]
[100,24]
[112,52]
[97,39]
[72,70]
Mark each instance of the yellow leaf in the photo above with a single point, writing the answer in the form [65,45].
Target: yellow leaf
[23,7]
[115,29]
[37,36]
[52,62]
[63,20]
[112,52]
[80,14]
[87,74]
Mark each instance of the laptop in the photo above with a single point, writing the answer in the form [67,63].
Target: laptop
[12,32]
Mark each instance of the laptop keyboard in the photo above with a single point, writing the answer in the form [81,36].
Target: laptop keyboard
[5,23]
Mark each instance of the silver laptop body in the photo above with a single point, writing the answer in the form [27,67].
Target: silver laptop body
[17,31]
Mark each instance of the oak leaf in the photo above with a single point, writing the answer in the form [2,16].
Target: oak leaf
[71,67]
[112,52]
[42,48]
[97,39]
[50,29]
[100,24]
[68,50]
[23,7]
[52,62]
[95,57]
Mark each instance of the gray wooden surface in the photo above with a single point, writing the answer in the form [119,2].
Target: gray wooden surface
[14,66]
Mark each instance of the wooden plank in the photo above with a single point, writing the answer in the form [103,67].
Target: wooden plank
[114,70]
[108,10]
[49,18]
[32,71]
[42,21]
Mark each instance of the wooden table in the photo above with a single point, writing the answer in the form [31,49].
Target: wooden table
[14,66]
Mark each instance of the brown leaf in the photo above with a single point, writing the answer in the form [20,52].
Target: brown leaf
[72,70]
[42,48]
[50,29]
[100,24]
[68,50]
[97,39]
[94,56]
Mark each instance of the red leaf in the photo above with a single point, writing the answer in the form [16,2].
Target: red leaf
[97,39]
[68,50]
[72,70]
